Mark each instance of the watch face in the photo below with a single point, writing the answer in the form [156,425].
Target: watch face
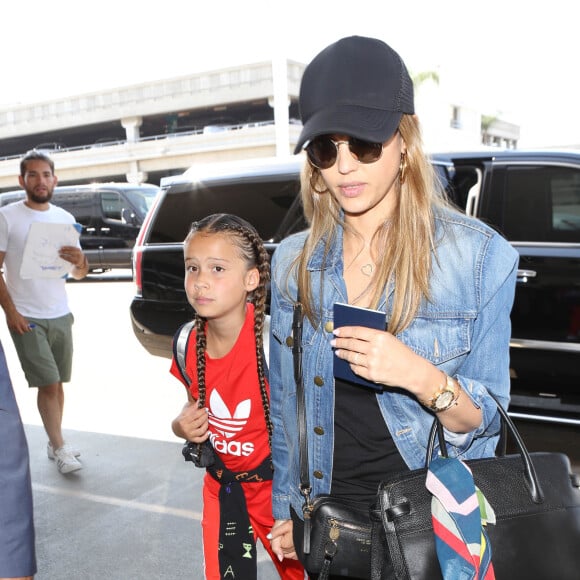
[444,399]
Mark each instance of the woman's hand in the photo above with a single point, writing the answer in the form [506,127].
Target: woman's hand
[379,356]
[282,541]
[192,423]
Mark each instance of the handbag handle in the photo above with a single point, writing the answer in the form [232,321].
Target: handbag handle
[536,493]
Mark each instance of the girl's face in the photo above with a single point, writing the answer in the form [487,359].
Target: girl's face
[359,187]
[217,280]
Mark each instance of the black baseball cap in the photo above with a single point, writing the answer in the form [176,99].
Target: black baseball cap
[358,86]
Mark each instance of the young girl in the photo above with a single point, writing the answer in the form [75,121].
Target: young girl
[226,276]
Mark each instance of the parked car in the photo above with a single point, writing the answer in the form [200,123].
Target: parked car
[264,192]
[532,198]
[111,215]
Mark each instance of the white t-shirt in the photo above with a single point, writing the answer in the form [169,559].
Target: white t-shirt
[37,297]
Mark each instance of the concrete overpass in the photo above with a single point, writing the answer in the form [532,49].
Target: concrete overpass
[143,132]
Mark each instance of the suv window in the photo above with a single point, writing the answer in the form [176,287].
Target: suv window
[264,202]
[81,206]
[111,204]
[542,204]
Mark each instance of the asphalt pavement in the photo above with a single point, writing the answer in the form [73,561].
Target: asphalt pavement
[132,513]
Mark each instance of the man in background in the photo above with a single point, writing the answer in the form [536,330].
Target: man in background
[36,308]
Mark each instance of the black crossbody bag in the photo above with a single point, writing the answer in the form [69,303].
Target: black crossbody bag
[337,532]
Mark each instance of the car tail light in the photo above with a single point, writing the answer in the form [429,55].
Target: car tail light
[137,258]
[138,248]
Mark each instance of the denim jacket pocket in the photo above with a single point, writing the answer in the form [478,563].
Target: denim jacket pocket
[441,337]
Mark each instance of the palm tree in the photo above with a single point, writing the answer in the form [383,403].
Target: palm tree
[421,77]
[486,123]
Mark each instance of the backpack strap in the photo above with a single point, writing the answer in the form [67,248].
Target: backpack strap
[180,347]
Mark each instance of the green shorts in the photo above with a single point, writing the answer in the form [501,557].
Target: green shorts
[46,351]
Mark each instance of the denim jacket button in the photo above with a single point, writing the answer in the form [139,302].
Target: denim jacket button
[289,341]
[318,474]
[318,381]
[319,430]
[329,326]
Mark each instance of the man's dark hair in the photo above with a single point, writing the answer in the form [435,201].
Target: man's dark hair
[35,155]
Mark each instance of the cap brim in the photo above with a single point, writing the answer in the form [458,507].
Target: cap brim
[374,125]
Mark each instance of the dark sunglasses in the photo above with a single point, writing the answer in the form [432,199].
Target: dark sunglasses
[322,151]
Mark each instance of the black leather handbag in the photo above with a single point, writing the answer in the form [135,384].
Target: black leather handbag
[337,532]
[536,500]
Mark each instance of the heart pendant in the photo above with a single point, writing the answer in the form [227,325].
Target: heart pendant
[367,269]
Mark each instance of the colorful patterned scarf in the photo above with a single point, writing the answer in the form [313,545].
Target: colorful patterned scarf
[460,513]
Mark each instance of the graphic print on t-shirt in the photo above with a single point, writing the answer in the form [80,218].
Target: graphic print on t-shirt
[226,423]
[229,425]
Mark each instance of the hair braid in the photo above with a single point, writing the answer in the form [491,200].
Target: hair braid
[200,346]
[259,301]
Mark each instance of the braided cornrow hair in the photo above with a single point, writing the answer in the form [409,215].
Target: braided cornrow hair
[248,241]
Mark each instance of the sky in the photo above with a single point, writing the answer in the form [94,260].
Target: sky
[511,59]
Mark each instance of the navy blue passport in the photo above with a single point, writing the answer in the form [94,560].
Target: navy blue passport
[348,315]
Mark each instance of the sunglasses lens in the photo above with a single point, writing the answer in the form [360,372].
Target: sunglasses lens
[365,151]
[321,152]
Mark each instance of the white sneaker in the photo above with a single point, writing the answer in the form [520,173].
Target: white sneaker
[66,461]
[50,450]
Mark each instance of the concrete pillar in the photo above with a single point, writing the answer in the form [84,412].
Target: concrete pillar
[135,175]
[280,102]
[131,126]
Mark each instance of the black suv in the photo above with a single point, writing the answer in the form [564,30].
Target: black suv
[111,215]
[533,198]
[264,192]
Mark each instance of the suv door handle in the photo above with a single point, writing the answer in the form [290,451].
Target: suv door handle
[524,275]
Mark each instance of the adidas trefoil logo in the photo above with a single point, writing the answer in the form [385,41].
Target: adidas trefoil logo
[229,424]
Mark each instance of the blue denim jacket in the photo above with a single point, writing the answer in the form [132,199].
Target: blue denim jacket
[464,330]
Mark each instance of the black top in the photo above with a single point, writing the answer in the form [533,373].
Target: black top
[364,451]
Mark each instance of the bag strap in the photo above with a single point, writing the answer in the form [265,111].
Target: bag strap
[180,346]
[305,488]
[536,493]
[300,398]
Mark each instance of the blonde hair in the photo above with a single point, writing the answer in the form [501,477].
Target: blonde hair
[404,244]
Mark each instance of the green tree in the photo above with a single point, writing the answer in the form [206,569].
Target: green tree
[421,77]
[487,122]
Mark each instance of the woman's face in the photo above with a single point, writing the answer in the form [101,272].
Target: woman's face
[363,187]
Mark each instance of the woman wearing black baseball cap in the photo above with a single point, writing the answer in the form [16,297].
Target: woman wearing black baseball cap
[381,236]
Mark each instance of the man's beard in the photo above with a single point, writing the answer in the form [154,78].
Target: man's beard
[45,198]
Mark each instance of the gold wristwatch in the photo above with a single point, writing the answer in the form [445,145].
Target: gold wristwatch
[445,397]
